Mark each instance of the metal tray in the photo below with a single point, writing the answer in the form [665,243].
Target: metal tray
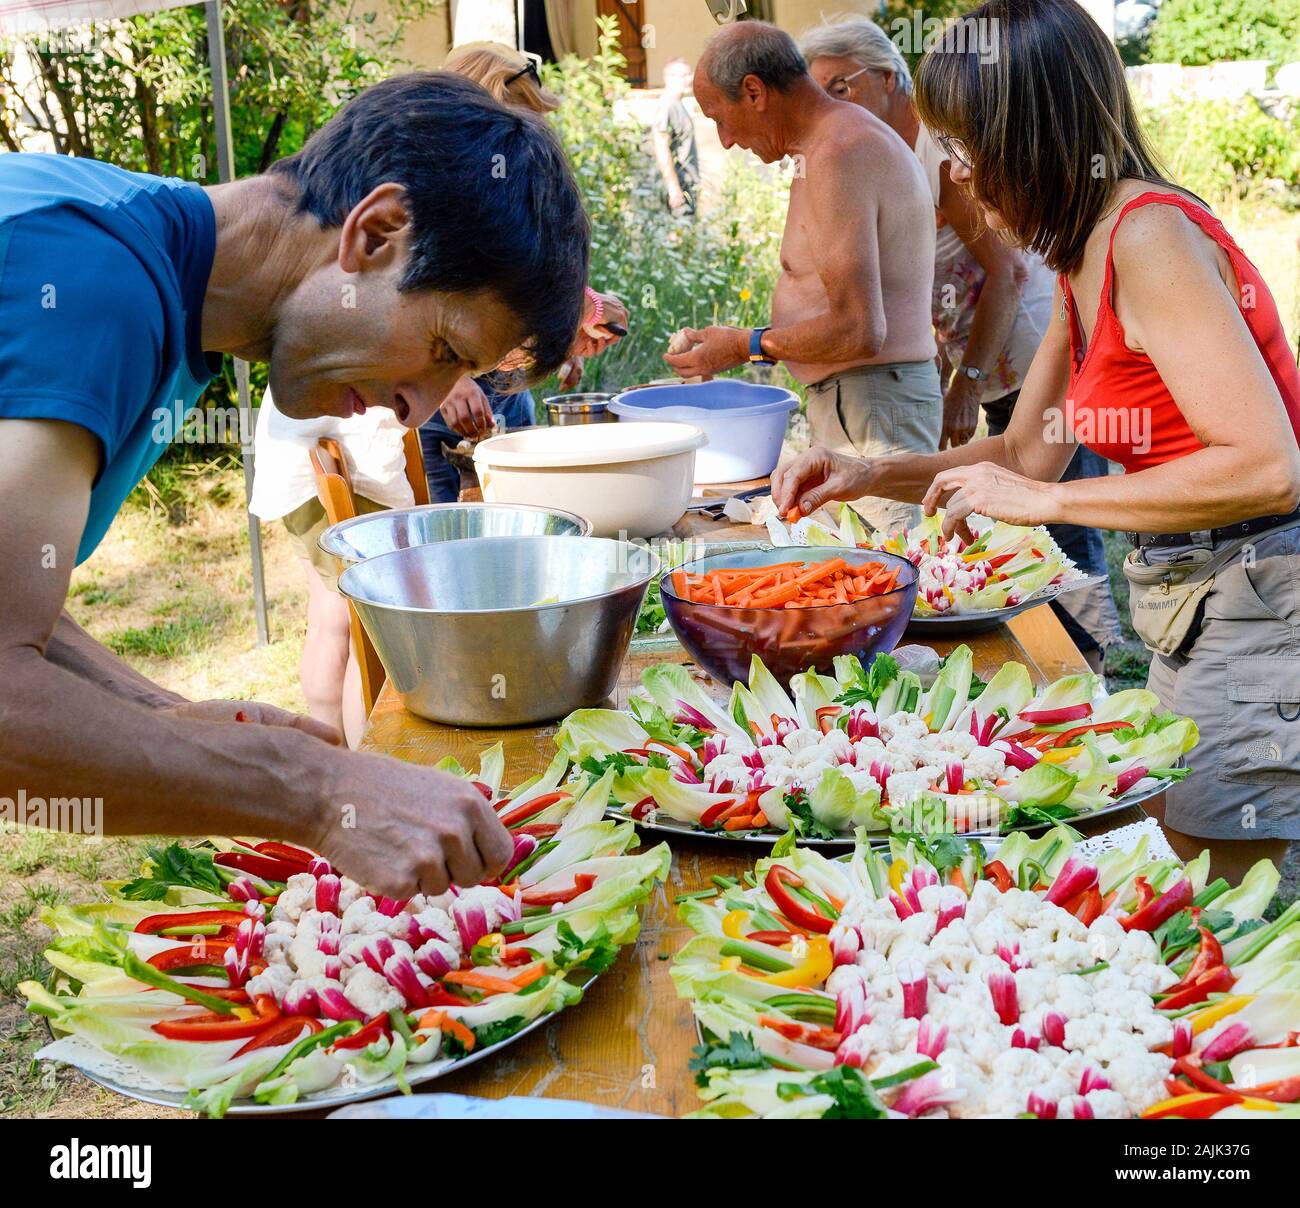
[671,826]
[954,625]
[332,1096]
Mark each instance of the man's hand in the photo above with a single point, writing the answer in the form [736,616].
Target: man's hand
[961,412]
[255,712]
[713,350]
[592,339]
[992,491]
[397,828]
[676,198]
[466,410]
[817,477]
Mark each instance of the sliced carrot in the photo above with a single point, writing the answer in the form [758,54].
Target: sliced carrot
[477,980]
[745,822]
[443,1021]
[526,977]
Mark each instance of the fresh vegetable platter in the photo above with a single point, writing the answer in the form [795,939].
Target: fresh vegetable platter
[878,749]
[929,981]
[1007,568]
[249,977]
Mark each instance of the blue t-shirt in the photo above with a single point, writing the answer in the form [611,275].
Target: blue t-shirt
[102,278]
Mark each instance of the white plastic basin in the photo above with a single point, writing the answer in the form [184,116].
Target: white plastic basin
[633,479]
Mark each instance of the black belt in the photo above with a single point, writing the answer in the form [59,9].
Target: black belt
[1229,532]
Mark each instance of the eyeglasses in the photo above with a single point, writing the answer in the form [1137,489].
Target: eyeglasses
[529,69]
[955,150]
[839,86]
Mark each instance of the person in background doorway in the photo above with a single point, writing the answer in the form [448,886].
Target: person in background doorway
[475,408]
[673,135]
[990,304]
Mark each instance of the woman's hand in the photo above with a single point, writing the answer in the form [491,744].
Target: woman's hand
[992,491]
[592,338]
[818,476]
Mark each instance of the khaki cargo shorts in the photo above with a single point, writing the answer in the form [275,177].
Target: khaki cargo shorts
[307,522]
[1240,683]
[876,410]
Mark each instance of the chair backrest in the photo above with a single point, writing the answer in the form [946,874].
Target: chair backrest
[334,489]
[415,466]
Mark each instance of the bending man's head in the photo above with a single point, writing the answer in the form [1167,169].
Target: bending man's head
[749,77]
[461,237]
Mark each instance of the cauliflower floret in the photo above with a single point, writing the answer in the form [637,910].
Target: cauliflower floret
[354,915]
[349,892]
[956,742]
[968,1076]
[299,894]
[985,763]
[369,992]
[1108,1105]
[274,980]
[984,897]
[897,724]
[905,787]
[801,740]
[431,918]
[276,946]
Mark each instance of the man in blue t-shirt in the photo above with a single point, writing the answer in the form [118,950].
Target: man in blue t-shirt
[402,248]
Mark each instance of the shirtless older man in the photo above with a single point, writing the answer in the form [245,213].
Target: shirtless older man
[851,311]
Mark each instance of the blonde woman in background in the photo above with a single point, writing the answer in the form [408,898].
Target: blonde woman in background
[473,407]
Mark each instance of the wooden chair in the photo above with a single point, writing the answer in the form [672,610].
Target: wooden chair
[338,498]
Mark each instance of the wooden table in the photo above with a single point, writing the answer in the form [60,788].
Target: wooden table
[628,1043]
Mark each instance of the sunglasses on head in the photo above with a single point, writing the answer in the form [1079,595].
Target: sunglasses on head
[723,11]
[528,69]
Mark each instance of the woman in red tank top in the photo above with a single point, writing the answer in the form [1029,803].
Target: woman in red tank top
[1166,355]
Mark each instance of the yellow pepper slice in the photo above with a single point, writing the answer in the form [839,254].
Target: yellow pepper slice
[733,924]
[897,871]
[812,971]
[1220,1010]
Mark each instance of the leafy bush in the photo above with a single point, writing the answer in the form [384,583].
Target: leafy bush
[672,273]
[1224,150]
[1194,32]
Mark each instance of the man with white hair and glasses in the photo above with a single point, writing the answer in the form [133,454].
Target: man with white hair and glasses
[851,309]
[991,302]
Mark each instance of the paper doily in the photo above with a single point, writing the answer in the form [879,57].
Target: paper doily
[1128,837]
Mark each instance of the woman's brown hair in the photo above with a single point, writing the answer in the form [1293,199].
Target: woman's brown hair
[1035,94]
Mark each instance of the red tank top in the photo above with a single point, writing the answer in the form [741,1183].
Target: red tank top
[1117,396]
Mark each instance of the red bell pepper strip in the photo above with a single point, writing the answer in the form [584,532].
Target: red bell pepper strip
[155,923]
[1087,906]
[1054,717]
[1190,1069]
[803,1033]
[1163,908]
[529,809]
[770,937]
[1065,738]
[713,815]
[1286,1090]
[377,1027]
[265,867]
[1144,891]
[582,882]
[1201,1109]
[1212,981]
[776,882]
[211,1026]
[538,830]
[284,1030]
[999,874]
[1209,956]
[1177,1087]
[284,851]
[199,960]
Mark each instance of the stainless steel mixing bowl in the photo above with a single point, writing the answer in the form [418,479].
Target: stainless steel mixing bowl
[502,631]
[378,533]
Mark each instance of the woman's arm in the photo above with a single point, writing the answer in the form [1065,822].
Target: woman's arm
[1005,275]
[1037,446]
[1175,303]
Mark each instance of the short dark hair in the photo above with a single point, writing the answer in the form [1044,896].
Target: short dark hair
[753,48]
[493,203]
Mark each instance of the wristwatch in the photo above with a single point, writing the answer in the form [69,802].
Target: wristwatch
[975,375]
[756,354]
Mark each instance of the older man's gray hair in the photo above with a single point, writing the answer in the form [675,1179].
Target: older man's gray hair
[752,48]
[858,38]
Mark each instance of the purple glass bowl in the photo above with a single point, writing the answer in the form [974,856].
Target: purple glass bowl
[722,639]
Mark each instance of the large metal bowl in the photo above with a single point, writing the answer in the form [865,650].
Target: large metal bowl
[723,639]
[502,631]
[378,533]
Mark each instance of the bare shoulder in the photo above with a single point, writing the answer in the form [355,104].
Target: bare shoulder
[1160,239]
[852,145]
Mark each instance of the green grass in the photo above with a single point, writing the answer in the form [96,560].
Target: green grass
[168,639]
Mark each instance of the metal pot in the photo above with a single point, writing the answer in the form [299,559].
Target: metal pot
[588,407]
